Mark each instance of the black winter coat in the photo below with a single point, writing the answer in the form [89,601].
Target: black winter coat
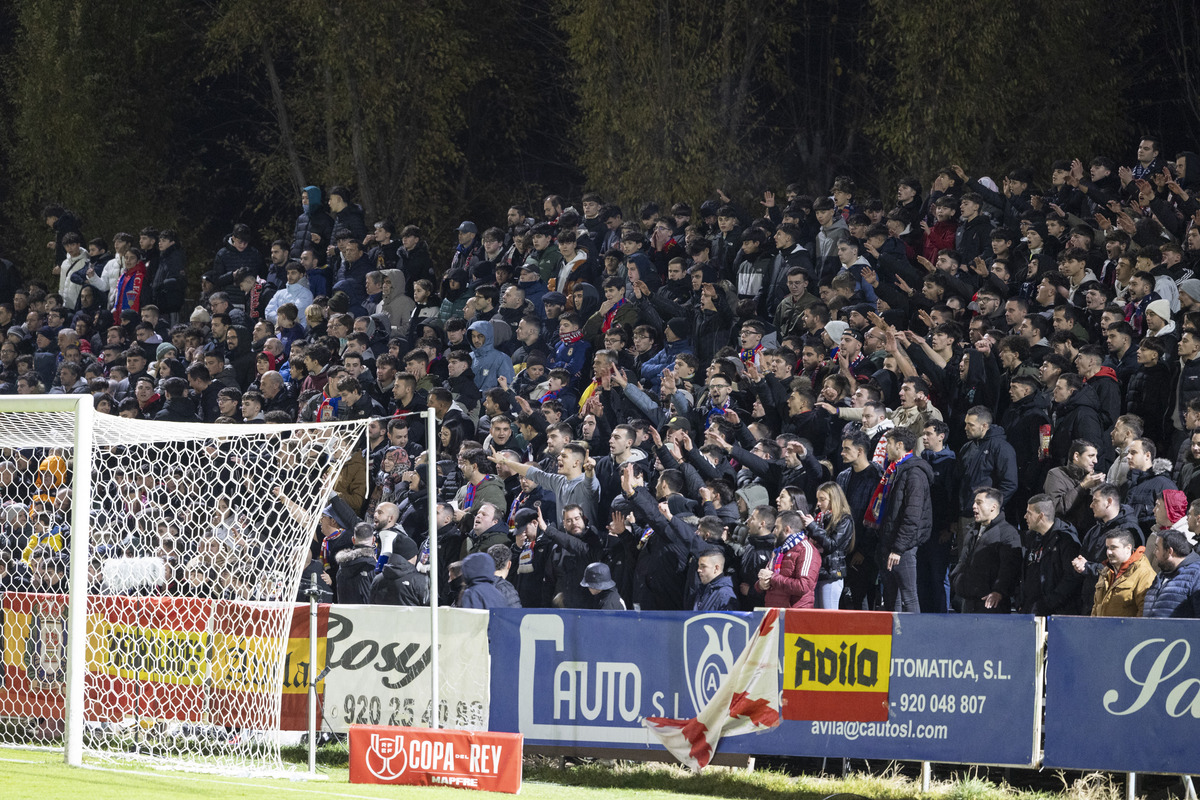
[1022,424]
[989,461]
[229,260]
[908,518]
[315,221]
[571,556]
[711,329]
[1108,396]
[973,239]
[180,409]
[356,570]
[170,281]
[1147,396]
[1141,491]
[352,218]
[1051,584]
[660,578]
[755,556]
[400,584]
[990,561]
[1077,418]
[716,595]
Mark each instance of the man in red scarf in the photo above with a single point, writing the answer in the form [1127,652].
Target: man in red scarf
[900,509]
[614,311]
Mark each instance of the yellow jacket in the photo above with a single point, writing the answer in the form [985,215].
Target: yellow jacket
[1120,593]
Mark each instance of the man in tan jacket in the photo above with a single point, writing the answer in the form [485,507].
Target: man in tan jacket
[1126,578]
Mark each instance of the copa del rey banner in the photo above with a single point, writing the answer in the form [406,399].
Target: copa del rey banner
[424,757]
[746,702]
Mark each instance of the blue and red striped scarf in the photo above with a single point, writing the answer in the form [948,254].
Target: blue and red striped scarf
[469,498]
[611,315]
[878,505]
[791,541]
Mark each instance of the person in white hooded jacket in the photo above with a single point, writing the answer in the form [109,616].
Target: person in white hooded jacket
[76,261]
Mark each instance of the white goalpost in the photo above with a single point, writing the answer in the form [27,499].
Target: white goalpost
[149,572]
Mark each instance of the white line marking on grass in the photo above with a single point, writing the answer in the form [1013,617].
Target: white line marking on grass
[191,776]
[307,789]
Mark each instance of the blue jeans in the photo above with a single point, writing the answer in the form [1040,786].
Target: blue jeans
[829,593]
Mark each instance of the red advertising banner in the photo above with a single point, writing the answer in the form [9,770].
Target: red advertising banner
[428,757]
[159,658]
[836,665]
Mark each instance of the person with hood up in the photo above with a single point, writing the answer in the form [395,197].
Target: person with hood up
[454,295]
[1127,577]
[1051,583]
[1170,513]
[241,357]
[479,577]
[392,299]
[401,583]
[488,363]
[314,226]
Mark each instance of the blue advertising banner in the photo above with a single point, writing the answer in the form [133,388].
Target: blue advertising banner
[1123,694]
[960,689]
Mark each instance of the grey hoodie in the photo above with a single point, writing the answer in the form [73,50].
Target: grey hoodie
[487,362]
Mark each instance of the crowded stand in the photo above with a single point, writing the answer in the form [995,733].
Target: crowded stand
[980,394]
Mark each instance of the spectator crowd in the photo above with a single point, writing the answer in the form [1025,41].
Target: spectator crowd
[981,395]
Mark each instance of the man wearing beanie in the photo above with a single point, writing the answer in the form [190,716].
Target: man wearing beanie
[400,584]
[1160,324]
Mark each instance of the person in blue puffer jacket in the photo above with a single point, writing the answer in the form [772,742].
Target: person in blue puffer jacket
[1176,590]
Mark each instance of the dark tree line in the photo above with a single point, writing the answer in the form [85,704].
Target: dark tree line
[197,115]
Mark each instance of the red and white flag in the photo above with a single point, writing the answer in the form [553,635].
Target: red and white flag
[746,702]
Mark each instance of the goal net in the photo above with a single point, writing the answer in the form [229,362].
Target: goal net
[183,545]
